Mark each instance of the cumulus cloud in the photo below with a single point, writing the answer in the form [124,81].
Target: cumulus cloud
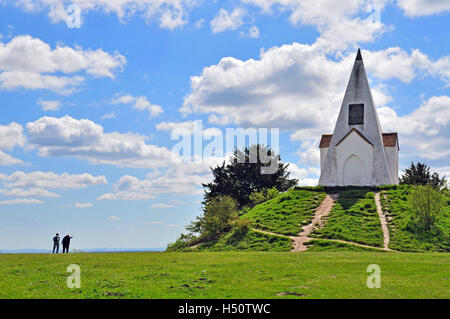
[179,179]
[417,8]
[340,23]
[10,136]
[86,140]
[287,87]
[170,14]
[50,180]
[139,103]
[37,184]
[225,20]
[425,131]
[30,63]
[396,63]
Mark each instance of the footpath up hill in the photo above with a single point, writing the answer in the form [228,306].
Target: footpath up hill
[293,221]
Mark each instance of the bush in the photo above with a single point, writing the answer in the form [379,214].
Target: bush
[217,217]
[427,203]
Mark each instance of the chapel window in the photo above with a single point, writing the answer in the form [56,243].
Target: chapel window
[356,114]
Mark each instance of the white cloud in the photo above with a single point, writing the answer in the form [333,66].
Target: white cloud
[170,14]
[288,87]
[425,131]
[225,20]
[139,103]
[10,136]
[113,218]
[188,127]
[417,8]
[6,160]
[49,105]
[340,23]
[83,205]
[32,192]
[162,205]
[21,202]
[397,63]
[30,63]
[179,179]
[50,180]
[85,139]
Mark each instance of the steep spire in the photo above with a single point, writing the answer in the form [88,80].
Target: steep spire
[358,55]
[357,112]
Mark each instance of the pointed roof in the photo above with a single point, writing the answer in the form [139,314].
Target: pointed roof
[357,92]
[358,55]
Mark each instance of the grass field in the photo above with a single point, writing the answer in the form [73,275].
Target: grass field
[226,275]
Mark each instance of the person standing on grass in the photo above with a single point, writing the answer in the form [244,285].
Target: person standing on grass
[66,243]
[56,243]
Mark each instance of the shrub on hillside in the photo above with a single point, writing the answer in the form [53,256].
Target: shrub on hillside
[427,203]
[217,217]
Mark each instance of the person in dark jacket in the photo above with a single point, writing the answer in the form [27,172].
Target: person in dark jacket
[56,243]
[66,243]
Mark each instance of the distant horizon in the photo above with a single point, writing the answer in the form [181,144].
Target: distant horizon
[91,250]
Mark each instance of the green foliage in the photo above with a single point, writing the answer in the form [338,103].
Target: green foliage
[287,213]
[420,175]
[183,242]
[263,195]
[248,240]
[353,218]
[403,232]
[217,217]
[427,204]
[246,173]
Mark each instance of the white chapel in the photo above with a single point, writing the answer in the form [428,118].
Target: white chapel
[358,153]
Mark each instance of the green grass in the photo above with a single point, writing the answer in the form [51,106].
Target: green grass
[322,245]
[226,275]
[250,241]
[399,219]
[287,213]
[353,218]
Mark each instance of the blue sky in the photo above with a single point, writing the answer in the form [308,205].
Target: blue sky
[86,114]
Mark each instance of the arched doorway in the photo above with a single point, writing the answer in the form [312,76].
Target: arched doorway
[354,173]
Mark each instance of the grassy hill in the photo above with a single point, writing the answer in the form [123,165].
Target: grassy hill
[352,220]
[226,275]
[403,238]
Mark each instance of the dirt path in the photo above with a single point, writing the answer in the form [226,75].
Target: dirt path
[326,239]
[322,211]
[383,221]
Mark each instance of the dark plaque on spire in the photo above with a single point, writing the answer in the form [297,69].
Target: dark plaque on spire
[356,114]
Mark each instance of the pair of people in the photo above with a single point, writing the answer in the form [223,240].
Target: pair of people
[65,243]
